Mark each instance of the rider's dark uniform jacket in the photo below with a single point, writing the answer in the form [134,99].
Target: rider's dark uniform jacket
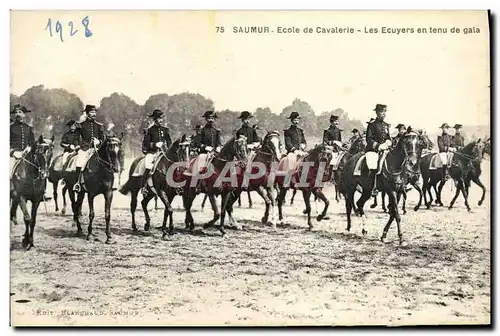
[377,133]
[70,138]
[445,141]
[249,132]
[90,129]
[210,136]
[396,139]
[21,136]
[333,133]
[458,139]
[196,142]
[154,134]
[294,137]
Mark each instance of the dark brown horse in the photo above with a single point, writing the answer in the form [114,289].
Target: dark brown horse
[308,175]
[255,177]
[465,167]
[397,168]
[28,184]
[208,179]
[97,179]
[178,152]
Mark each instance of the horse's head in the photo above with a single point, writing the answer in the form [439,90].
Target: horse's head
[271,144]
[412,146]
[179,150]
[320,153]
[111,152]
[358,145]
[43,154]
[477,149]
[235,148]
[46,145]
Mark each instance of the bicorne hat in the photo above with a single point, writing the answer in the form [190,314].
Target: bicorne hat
[89,108]
[380,107]
[209,114]
[334,118]
[399,126]
[294,115]
[355,130]
[457,126]
[156,114]
[245,115]
[445,125]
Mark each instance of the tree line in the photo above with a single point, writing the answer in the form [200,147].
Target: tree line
[52,108]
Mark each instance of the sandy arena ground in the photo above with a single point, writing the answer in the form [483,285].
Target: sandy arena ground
[257,276]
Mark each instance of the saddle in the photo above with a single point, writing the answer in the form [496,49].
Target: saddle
[336,159]
[290,163]
[141,166]
[362,162]
[198,164]
[436,161]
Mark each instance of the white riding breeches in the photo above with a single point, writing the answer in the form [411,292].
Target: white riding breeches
[335,158]
[443,156]
[149,161]
[64,158]
[83,157]
[371,160]
[12,163]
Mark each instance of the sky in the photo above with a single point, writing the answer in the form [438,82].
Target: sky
[424,79]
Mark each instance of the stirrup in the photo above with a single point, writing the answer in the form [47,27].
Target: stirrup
[76,187]
[144,190]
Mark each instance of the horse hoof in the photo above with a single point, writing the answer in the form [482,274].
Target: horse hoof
[304,211]
[373,206]
[30,246]
[480,203]
[222,232]
[404,212]
[416,208]
[147,227]
[13,222]
[79,233]
[319,218]
[134,228]
[250,206]
[385,209]
[384,240]
[450,207]
[364,232]
[25,243]
[469,210]
[110,241]
[63,211]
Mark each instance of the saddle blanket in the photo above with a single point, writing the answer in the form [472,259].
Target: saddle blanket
[438,160]
[197,164]
[141,166]
[369,160]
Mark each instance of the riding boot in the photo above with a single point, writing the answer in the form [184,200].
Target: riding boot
[76,187]
[373,177]
[145,178]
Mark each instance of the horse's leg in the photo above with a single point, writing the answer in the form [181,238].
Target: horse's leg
[166,213]
[262,193]
[144,204]
[417,188]
[306,194]
[34,209]
[90,199]
[170,198]
[156,203]
[250,203]
[439,191]
[64,190]
[457,192]
[398,218]
[239,201]
[203,202]
[374,204]
[318,193]
[215,209]
[27,220]
[477,181]
[281,201]
[383,194]
[224,201]
[108,200]
[272,197]
[187,200]
[13,210]
[229,210]
[462,187]
[392,200]
[425,187]
[349,197]
[54,193]
[403,195]
[77,212]
[133,207]
[293,196]
[365,196]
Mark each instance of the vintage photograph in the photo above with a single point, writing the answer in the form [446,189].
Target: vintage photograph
[250,168]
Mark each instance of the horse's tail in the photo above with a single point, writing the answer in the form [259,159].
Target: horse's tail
[125,189]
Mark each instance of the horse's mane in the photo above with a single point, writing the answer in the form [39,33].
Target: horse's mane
[467,149]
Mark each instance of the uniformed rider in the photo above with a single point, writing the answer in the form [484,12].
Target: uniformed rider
[458,138]
[22,138]
[446,147]
[378,141]
[210,135]
[156,141]
[295,141]
[70,141]
[91,136]
[253,140]
[196,140]
[333,137]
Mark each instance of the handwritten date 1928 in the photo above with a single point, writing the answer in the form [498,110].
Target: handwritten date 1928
[71,29]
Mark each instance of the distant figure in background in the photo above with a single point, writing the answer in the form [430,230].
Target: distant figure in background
[70,141]
[196,140]
[458,138]
[401,132]
[355,136]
